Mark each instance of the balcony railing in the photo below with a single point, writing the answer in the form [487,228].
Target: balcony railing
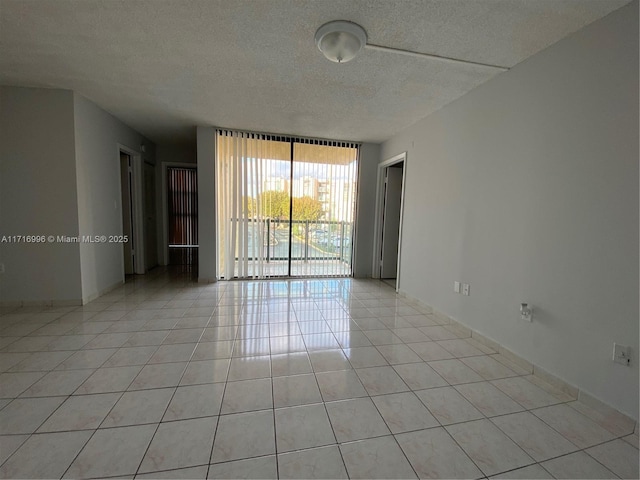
[310,240]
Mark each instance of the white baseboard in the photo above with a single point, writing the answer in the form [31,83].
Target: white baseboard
[93,296]
[41,303]
[551,379]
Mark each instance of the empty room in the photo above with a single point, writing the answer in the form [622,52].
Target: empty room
[319,239]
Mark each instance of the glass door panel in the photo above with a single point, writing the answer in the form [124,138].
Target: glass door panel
[323,197]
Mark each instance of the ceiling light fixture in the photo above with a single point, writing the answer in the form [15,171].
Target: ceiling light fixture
[340,41]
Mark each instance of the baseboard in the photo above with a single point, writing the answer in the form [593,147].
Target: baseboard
[565,387]
[423,307]
[42,303]
[93,296]
[207,280]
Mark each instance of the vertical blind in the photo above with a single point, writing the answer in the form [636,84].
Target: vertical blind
[182,192]
[285,206]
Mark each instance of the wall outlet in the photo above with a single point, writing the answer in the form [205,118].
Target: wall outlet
[466,289]
[526,312]
[456,287]
[621,354]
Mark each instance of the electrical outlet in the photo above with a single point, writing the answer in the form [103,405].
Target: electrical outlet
[456,287]
[526,312]
[621,354]
[466,289]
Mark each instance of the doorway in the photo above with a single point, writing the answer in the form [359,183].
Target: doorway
[126,184]
[182,216]
[388,239]
[132,209]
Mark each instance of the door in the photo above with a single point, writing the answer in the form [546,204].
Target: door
[127,212]
[182,195]
[150,232]
[285,206]
[323,195]
[391,221]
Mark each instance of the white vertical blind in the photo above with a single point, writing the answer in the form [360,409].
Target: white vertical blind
[259,186]
[326,174]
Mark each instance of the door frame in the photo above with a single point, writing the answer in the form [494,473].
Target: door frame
[165,207]
[154,210]
[377,237]
[137,197]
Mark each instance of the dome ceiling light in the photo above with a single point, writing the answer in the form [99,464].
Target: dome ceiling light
[340,41]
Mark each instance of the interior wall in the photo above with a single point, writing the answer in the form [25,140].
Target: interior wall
[366,209]
[168,153]
[38,196]
[527,189]
[97,136]
[206,155]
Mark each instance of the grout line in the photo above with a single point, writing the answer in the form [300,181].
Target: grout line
[224,390]
[318,298]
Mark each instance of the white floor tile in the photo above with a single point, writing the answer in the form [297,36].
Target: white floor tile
[81,412]
[535,437]
[295,390]
[404,412]
[356,419]
[139,407]
[191,380]
[434,454]
[448,406]
[180,444]
[576,465]
[302,427]
[244,435]
[112,452]
[45,455]
[488,447]
[322,462]
[618,456]
[340,385]
[252,468]
[247,395]
[376,458]
[195,401]
[574,426]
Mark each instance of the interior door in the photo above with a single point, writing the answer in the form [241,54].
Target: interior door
[391,222]
[150,231]
[127,216]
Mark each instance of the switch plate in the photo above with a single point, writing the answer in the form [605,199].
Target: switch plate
[466,289]
[456,287]
[621,354]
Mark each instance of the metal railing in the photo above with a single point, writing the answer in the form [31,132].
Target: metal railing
[311,240]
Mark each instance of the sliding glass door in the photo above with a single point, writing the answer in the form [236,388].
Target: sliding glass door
[324,194]
[285,206]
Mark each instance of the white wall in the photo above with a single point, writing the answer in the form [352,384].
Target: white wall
[527,188]
[38,196]
[97,136]
[367,179]
[206,154]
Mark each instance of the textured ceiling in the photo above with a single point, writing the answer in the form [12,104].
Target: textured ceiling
[164,66]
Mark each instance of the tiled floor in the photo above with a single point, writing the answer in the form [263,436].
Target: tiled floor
[330,378]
